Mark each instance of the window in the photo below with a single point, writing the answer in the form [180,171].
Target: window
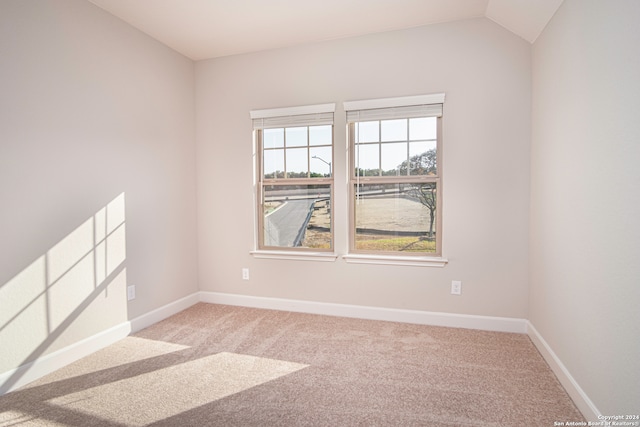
[294,149]
[395,150]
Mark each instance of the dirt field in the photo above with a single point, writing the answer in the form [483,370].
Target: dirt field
[392,214]
[318,231]
[376,214]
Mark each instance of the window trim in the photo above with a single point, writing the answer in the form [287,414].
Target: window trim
[411,261]
[297,255]
[292,111]
[404,101]
[288,117]
[383,109]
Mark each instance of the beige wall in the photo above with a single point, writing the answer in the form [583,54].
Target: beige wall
[97,180]
[485,72]
[585,203]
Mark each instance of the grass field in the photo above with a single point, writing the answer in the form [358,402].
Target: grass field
[369,242]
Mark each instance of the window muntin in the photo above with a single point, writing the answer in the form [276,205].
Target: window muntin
[395,182]
[395,147]
[296,187]
[297,152]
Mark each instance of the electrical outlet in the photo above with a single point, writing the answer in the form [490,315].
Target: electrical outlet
[131,292]
[245,274]
[456,287]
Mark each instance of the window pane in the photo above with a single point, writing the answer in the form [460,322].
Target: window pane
[320,135]
[394,156]
[393,130]
[367,132]
[273,163]
[320,162]
[422,128]
[423,158]
[395,217]
[297,216]
[297,162]
[416,148]
[296,137]
[367,159]
[273,138]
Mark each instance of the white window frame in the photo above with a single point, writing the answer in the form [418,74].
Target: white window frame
[300,116]
[376,109]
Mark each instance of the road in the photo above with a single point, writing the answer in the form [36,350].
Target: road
[282,226]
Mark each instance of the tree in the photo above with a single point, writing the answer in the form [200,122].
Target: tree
[426,193]
[423,164]
[420,164]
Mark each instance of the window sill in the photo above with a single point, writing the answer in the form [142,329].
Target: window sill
[418,261]
[298,256]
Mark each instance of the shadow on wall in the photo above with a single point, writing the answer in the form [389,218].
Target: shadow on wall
[45,306]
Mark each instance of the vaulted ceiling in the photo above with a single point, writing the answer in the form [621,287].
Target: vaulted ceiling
[201,29]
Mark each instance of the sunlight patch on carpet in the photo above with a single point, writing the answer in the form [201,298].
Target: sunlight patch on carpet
[17,418]
[128,350]
[13,417]
[156,395]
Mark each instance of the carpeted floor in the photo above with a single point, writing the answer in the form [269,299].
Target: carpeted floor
[216,365]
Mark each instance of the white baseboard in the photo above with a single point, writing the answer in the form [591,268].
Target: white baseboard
[163,312]
[44,365]
[501,324]
[579,397]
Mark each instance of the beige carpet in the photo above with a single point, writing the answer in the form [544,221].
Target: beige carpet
[215,365]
